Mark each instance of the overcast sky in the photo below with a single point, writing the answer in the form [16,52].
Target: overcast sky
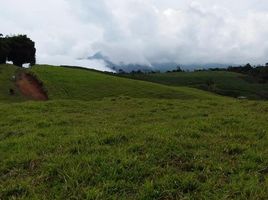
[141,31]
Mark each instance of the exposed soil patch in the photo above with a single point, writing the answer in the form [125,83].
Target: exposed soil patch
[31,87]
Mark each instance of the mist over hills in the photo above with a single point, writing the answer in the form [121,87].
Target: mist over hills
[154,66]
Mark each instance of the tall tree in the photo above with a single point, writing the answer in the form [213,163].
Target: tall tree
[21,50]
[4,49]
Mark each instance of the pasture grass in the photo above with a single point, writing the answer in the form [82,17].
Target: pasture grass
[79,84]
[221,82]
[7,83]
[130,148]
[105,137]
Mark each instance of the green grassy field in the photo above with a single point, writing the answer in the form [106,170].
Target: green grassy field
[224,83]
[105,137]
[79,84]
[6,83]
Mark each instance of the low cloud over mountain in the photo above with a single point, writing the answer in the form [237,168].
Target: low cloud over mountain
[140,32]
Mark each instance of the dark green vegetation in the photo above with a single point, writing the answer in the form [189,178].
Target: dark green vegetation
[260,73]
[19,49]
[122,141]
[3,50]
[220,82]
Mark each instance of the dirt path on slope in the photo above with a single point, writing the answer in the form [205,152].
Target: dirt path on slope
[31,87]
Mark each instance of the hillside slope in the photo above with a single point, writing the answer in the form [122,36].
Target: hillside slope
[223,83]
[8,89]
[80,84]
[106,137]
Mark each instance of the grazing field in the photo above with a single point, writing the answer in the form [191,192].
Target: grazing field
[223,83]
[125,148]
[7,83]
[69,83]
[106,137]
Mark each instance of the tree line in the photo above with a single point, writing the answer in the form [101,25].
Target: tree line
[18,49]
[259,72]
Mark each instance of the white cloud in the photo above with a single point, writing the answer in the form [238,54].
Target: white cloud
[141,31]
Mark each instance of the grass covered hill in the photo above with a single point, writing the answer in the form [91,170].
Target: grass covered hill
[220,82]
[81,84]
[7,83]
[106,137]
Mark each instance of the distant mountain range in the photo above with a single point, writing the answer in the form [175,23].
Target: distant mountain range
[163,67]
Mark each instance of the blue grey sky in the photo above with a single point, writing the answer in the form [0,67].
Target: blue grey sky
[141,31]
